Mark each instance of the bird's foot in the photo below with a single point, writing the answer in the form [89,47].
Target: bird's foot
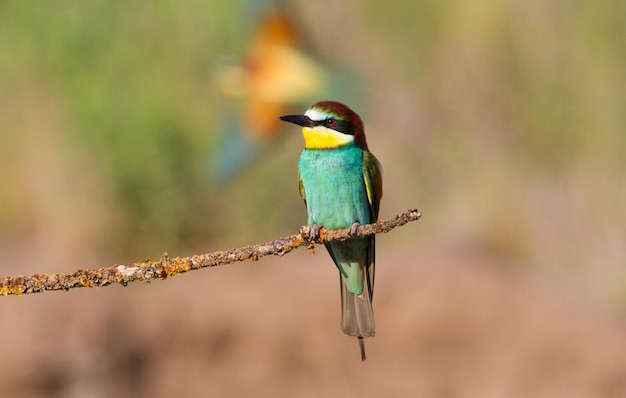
[353,228]
[315,232]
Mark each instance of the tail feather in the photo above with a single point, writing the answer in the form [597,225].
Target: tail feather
[357,315]
[362,347]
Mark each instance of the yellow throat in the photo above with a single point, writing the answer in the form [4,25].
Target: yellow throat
[320,137]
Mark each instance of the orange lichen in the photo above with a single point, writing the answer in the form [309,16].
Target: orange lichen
[166,266]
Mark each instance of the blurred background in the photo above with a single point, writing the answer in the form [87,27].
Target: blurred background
[129,129]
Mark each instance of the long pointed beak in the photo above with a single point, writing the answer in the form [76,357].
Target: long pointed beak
[300,120]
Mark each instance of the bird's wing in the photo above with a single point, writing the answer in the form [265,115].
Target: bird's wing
[301,188]
[373,178]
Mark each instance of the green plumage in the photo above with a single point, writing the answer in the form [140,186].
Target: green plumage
[341,184]
[333,188]
[337,186]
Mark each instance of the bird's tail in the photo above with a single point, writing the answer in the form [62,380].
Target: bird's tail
[357,315]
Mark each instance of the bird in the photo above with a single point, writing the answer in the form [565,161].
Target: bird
[340,181]
[280,72]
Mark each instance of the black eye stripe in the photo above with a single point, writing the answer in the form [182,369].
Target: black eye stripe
[342,126]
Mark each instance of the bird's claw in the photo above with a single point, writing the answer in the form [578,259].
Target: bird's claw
[353,228]
[315,232]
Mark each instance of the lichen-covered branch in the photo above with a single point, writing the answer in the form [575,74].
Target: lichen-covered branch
[148,271]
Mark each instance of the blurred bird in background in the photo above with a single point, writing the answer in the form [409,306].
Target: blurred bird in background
[279,73]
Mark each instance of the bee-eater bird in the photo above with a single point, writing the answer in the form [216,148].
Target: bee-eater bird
[341,184]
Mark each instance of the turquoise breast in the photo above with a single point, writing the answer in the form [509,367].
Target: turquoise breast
[334,187]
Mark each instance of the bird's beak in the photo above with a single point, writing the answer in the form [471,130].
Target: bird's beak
[300,120]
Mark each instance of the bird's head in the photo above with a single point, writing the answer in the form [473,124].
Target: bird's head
[329,125]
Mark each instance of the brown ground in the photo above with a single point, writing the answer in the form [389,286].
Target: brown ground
[446,328]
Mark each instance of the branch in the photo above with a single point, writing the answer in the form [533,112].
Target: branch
[148,271]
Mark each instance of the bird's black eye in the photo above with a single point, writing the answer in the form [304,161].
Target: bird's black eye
[330,122]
